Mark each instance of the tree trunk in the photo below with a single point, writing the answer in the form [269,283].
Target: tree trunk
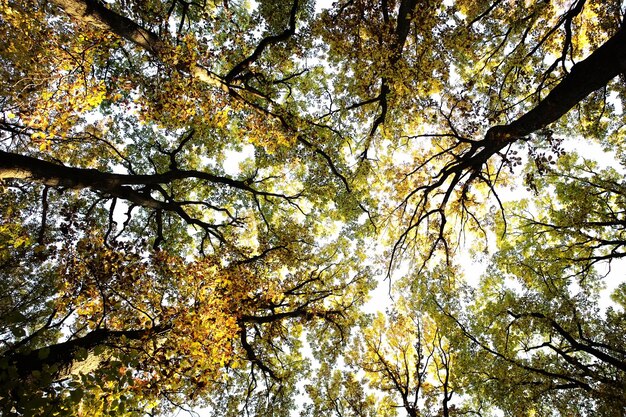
[15,166]
[585,77]
[94,13]
[63,356]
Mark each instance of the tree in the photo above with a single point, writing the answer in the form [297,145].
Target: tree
[537,319]
[145,271]
[396,363]
[143,329]
[198,288]
[522,68]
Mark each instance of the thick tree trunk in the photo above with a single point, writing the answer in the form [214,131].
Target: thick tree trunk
[585,77]
[94,13]
[15,166]
[63,356]
[405,16]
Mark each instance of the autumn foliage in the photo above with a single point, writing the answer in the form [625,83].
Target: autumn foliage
[401,207]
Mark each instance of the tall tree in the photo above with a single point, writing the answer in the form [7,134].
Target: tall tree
[192,189]
[538,318]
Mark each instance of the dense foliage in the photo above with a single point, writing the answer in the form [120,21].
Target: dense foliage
[199,197]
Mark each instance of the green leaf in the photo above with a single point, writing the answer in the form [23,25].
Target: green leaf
[15,317]
[43,353]
[77,394]
[18,332]
[81,354]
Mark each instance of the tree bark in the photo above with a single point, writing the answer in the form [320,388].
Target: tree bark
[20,167]
[15,166]
[585,77]
[405,15]
[64,355]
[94,13]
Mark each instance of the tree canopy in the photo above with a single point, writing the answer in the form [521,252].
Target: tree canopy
[199,197]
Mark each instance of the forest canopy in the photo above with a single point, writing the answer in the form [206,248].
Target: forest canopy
[263,208]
